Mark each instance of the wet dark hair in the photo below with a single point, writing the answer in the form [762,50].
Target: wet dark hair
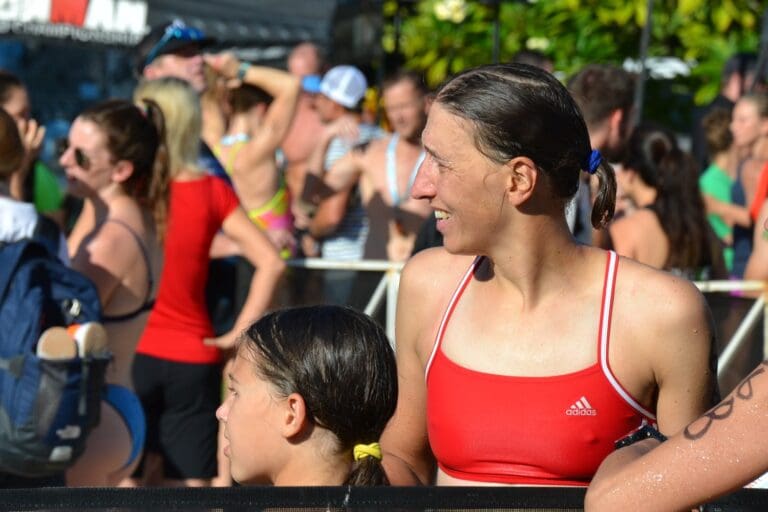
[653,153]
[341,363]
[11,148]
[138,136]
[522,110]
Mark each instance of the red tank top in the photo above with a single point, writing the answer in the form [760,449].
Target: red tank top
[179,321]
[528,430]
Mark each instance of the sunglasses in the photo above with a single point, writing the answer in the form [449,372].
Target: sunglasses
[81,159]
[178,31]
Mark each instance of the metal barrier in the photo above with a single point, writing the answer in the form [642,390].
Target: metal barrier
[404,499]
[758,309]
[388,285]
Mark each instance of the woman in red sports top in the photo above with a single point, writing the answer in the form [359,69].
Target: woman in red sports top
[522,355]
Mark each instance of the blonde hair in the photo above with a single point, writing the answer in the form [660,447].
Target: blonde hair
[180,105]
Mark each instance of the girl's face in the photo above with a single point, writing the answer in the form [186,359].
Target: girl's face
[251,416]
[463,186]
[86,161]
[745,123]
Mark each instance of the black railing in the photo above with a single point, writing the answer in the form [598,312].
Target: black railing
[328,498]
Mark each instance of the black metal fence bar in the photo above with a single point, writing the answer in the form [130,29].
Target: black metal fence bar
[327,498]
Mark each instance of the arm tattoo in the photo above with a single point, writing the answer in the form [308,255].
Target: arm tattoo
[724,409]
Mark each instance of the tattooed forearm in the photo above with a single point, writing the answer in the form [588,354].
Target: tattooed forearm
[724,409]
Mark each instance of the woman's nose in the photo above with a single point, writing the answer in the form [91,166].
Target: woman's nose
[423,185]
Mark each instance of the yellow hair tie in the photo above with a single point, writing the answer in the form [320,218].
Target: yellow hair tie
[361,451]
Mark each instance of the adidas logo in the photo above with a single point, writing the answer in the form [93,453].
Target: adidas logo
[581,407]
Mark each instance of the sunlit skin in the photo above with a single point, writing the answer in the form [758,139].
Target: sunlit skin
[251,417]
[460,205]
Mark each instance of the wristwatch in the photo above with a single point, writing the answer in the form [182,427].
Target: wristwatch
[644,432]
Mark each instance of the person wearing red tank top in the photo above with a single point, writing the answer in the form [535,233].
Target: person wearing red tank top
[177,369]
[523,355]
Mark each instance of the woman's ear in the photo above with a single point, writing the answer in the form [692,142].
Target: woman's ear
[295,418]
[123,171]
[522,176]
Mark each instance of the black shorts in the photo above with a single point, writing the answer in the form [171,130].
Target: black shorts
[180,401]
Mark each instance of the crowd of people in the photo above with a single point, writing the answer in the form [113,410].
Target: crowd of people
[546,308]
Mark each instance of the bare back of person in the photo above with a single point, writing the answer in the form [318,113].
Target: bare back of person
[256,182]
[640,236]
[117,231]
[117,238]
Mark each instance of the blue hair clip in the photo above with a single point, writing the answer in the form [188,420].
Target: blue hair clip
[595,159]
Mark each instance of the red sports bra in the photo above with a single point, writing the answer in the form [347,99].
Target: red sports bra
[528,430]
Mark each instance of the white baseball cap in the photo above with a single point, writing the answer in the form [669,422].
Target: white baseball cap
[345,85]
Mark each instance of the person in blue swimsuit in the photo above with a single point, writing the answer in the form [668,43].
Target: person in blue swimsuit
[115,161]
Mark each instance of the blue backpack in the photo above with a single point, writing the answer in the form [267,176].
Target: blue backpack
[47,407]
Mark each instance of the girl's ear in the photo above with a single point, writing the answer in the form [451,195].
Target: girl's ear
[295,418]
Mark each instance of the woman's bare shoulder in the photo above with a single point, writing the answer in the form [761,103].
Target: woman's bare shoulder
[655,294]
[435,268]
[429,279]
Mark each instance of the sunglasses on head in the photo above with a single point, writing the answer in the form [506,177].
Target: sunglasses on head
[176,30]
[81,159]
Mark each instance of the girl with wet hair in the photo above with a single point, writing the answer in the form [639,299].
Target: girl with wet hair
[116,160]
[523,355]
[311,390]
[668,230]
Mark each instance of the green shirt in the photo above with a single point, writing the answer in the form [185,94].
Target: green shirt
[48,194]
[717,184]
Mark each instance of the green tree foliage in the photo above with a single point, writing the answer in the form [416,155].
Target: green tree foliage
[441,37]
